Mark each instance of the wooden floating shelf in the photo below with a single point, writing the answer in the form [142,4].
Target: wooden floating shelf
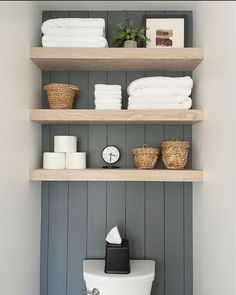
[117,175]
[79,116]
[116,59]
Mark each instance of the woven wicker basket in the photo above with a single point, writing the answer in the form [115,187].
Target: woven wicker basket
[145,157]
[175,154]
[61,96]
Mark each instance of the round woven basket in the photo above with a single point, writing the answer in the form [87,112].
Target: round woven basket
[145,157]
[175,154]
[61,96]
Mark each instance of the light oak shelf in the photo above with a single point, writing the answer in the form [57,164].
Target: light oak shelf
[116,59]
[79,116]
[117,175]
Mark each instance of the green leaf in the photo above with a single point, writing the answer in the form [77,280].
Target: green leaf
[128,31]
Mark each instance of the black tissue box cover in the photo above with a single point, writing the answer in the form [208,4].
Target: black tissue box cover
[117,258]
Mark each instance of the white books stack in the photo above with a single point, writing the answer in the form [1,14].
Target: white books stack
[107,97]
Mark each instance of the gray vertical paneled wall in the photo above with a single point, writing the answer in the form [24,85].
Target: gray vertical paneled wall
[156,217]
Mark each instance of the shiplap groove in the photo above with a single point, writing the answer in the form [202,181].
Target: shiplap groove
[59,196]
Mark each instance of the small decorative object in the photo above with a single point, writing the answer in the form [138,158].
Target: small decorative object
[166,31]
[145,157]
[61,96]
[111,155]
[130,44]
[128,35]
[76,160]
[175,153]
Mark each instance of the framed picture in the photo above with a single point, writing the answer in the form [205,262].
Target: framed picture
[166,31]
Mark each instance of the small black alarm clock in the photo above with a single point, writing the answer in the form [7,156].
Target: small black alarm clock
[110,155]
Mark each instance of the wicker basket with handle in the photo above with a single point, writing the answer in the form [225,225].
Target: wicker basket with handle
[61,96]
[145,157]
[175,153]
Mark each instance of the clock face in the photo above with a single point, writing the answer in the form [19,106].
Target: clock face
[111,154]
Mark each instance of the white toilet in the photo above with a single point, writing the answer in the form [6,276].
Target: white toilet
[138,282]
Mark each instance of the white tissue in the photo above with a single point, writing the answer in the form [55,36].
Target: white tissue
[113,237]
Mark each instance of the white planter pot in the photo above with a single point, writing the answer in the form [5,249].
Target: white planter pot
[130,44]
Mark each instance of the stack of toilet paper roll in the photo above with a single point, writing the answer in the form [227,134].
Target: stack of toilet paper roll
[65,155]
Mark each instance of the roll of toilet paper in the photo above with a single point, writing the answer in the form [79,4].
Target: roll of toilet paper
[76,160]
[65,144]
[54,160]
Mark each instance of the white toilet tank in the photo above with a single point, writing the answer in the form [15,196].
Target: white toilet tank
[138,282]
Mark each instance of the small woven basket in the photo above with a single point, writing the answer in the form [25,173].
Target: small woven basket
[175,154]
[145,157]
[61,96]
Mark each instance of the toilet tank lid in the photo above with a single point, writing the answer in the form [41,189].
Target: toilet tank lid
[141,272]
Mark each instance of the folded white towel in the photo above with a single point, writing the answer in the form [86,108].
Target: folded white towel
[174,99]
[96,32]
[107,87]
[108,107]
[108,97]
[161,91]
[159,81]
[178,106]
[108,92]
[108,101]
[72,23]
[73,44]
[73,38]
[73,41]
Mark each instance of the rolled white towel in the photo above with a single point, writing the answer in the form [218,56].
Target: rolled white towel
[164,99]
[73,41]
[159,81]
[72,23]
[185,91]
[81,32]
[178,106]
[107,87]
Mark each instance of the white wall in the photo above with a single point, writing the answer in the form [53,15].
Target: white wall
[214,142]
[20,150]
[215,149]
[116,5]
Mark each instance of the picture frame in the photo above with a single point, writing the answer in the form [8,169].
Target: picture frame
[166,30]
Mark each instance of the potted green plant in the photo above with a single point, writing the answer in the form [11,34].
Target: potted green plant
[127,35]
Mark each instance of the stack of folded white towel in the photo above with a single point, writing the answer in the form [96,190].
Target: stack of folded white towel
[160,93]
[74,32]
[107,97]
